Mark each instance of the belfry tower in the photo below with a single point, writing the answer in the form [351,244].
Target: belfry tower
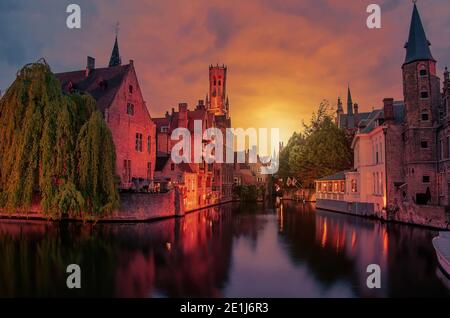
[218,99]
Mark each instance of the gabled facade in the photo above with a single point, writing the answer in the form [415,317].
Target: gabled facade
[214,181]
[402,153]
[118,94]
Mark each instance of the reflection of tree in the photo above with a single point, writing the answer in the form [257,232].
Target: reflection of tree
[339,247]
[34,258]
[248,221]
[299,232]
[177,257]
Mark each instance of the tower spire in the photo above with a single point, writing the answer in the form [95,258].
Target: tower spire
[418,46]
[349,102]
[115,55]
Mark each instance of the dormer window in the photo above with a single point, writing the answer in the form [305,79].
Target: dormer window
[103,84]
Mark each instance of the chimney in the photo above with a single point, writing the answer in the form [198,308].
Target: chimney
[388,109]
[131,62]
[201,104]
[355,107]
[182,115]
[90,65]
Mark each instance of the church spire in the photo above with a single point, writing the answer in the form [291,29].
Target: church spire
[417,47]
[349,102]
[115,55]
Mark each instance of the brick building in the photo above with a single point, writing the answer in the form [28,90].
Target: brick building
[402,151]
[117,92]
[214,181]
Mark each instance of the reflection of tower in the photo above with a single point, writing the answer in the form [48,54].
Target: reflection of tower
[218,100]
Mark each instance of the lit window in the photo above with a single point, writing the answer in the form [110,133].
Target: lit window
[354,186]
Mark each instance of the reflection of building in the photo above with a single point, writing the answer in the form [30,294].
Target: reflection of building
[117,92]
[402,151]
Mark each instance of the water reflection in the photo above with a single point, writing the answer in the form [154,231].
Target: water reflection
[289,250]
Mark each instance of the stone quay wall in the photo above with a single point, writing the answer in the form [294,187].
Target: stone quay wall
[134,207]
[424,215]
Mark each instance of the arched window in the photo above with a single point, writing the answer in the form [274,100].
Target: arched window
[424,94]
[424,116]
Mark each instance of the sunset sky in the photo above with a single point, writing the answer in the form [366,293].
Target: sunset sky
[283,56]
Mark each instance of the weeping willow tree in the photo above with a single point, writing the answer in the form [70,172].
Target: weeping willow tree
[96,159]
[41,129]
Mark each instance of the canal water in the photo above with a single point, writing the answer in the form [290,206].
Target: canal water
[290,250]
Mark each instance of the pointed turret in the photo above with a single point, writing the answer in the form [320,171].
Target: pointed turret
[349,102]
[340,109]
[418,46]
[115,55]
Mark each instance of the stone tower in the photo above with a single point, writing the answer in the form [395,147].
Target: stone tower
[421,90]
[217,102]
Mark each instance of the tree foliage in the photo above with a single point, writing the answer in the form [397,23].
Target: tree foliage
[321,149]
[250,192]
[41,129]
[96,159]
